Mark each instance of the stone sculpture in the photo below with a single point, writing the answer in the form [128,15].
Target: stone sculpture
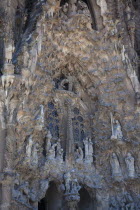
[67,84]
[79,155]
[35,154]
[59,151]
[71,191]
[67,179]
[50,148]
[51,154]
[48,141]
[52,8]
[83,62]
[88,150]
[9,49]
[115,165]
[21,193]
[40,117]
[7,81]
[71,184]
[116,129]
[130,165]
[75,186]
[29,147]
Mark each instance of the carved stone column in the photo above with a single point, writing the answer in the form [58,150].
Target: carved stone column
[2,148]
[6,191]
[70,139]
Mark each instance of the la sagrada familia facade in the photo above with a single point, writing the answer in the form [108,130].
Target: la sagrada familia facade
[70,104]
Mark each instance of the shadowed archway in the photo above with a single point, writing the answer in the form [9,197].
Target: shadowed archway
[86,202]
[53,199]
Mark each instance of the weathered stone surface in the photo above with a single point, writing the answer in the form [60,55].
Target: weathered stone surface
[70,104]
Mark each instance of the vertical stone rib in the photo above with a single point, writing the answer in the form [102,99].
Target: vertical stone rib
[70,140]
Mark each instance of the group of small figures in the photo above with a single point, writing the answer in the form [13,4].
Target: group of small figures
[54,151]
[86,155]
[116,169]
[125,202]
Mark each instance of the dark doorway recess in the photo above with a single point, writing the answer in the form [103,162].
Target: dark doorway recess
[86,203]
[53,199]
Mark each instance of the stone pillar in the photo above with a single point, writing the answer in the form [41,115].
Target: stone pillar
[70,139]
[8,169]
[6,196]
[2,148]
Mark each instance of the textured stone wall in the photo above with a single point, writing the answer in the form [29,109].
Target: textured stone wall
[69,104]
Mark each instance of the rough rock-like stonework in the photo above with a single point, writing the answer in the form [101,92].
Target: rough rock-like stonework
[70,104]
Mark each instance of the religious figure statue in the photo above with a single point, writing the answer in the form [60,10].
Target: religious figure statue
[79,155]
[29,147]
[88,150]
[35,154]
[115,165]
[40,117]
[75,186]
[48,141]
[116,129]
[67,178]
[9,49]
[130,165]
[59,151]
[51,153]
[86,147]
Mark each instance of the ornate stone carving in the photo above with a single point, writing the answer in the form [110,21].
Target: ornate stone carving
[59,152]
[52,7]
[79,155]
[7,81]
[88,150]
[29,147]
[48,141]
[35,154]
[40,118]
[116,129]
[130,165]
[9,49]
[115,165]
[71,191]
[67,178]
[50,148]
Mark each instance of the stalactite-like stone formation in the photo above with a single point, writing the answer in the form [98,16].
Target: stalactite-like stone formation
[69,104]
